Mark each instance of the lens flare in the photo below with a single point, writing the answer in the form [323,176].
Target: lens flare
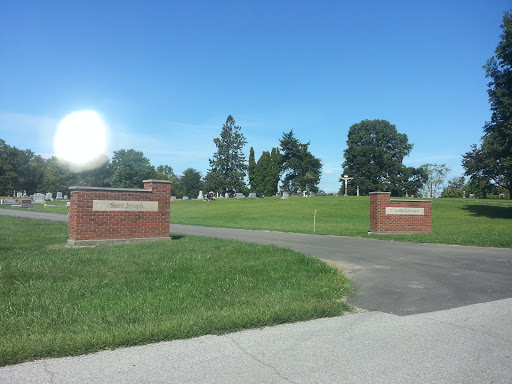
[81,138]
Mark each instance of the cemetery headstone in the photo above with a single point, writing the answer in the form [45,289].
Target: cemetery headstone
[65,197]
[26,203]
[200,196]
[185,197]
[49,196]
[68,204]
[471,196]
[502,196]
[59,195]
[226,195]
[239,195]
[10,201]
[19,194]
[252,195]
[285,195]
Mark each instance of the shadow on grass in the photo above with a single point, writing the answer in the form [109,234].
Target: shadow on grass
[177,237]
[491,211]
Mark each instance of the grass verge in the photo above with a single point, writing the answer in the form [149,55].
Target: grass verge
[455,221]
[57,301]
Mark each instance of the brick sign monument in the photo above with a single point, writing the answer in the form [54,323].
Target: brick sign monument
[399,216]
[104,215]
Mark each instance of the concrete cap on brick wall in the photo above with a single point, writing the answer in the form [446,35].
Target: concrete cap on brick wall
[157,181]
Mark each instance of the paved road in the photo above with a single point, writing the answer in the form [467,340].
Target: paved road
[464,344]
[394,277]
[467,345]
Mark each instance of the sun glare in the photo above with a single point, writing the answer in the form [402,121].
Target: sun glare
[81,138]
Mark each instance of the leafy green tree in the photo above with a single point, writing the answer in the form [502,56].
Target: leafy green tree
[228,163]
[482,165]
[56,177]
[191,182]
[373,157]
[165,172]
[436,175]
[20,170]
[252,168]
[454,188]
[492,162]
[129,168]
[302,170]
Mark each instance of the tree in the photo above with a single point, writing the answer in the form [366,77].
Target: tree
[228,161]
[454,187]
[302,170]
[129,168]
[436,175]
[373,157]
[191,182]
[492,162]
[252,168]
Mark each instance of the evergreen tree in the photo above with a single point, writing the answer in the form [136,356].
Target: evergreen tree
[228,163]
[252,168]
[302,170]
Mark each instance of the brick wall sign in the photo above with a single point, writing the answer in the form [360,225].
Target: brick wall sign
[399,216]
[106,215]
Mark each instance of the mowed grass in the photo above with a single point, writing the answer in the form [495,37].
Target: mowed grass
[57,301]
[455,221]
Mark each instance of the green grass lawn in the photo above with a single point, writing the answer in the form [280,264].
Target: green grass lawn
[58,301]
[455,221]
[485,223]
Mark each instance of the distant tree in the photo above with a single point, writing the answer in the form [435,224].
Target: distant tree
[373,157]
[436,175]
[228,163]
[492,162]
[252,168]
[56,177]
[267,173]
[166,172]
[191,182]
[275,169]
[454,188]
[20,170]
[129,168]
[302,170]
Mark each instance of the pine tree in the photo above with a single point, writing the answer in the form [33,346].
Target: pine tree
[228,164]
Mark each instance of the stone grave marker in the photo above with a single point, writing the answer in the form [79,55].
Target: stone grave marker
[239,195]
[49,196]
[185,197]
[502,196]
[252,195]
[19,194]
[471,196]
[226,195]
[200,196]
[26,203]
[285,195]
[59,195]
[10,201]
[65,197]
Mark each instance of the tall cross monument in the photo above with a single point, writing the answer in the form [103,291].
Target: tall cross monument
[346,179]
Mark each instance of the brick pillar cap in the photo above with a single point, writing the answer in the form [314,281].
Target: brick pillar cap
[157,181]
[380,193]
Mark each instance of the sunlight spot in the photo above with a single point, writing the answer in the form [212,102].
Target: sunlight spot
[81,139]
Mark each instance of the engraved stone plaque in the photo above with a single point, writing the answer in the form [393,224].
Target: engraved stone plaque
[118,205]
[405,211]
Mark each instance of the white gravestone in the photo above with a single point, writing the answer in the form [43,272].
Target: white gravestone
[200,196]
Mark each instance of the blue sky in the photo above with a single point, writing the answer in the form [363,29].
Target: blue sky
[164,75]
